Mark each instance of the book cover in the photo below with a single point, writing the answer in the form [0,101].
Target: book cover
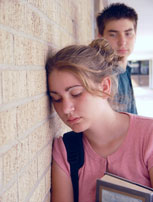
[112,188]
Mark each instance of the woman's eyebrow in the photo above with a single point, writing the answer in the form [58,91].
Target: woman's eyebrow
[66,89]
[70,87]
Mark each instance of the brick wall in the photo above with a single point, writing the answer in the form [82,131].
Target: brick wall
[29,30]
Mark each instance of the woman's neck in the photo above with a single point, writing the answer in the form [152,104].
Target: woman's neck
[106,136]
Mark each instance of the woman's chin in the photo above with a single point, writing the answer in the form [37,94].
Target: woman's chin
[78,128]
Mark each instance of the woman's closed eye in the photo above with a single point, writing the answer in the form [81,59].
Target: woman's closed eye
[55,98]
[76,92]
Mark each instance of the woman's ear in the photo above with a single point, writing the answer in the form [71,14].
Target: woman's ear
[99,36]
[105,87]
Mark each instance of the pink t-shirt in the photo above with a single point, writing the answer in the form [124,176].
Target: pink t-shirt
[132,160]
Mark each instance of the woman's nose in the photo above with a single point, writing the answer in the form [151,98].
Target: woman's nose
[68,106]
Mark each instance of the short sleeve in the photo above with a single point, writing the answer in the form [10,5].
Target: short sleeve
[148,144]
[60,155]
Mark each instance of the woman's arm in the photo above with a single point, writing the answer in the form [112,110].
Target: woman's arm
[62,190]
[151,176]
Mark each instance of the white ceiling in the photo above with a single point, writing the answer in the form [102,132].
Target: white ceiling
[144,41]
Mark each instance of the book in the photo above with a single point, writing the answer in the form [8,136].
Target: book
[112,188]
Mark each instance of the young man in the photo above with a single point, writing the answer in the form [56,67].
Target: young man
[118,23]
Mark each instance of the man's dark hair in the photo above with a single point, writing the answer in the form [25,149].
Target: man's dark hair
[116,11]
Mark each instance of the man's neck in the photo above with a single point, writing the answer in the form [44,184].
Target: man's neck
[123,63]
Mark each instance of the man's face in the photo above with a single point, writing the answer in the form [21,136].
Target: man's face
[121,36]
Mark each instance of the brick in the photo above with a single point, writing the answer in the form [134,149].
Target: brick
[48,181]
[34,142]
[11,194]
[10,12]
[52,11]
[34,23]
[39,138]
[0,88]
[10,165]
[27,180]
[23,153]
[14,85]
[6,47]
[44,105]
[22,119]
[33,173]
[47,132]
[36,82]
[48,199]
[44,160]
[1,173]
[39,193]
[8,128]
[23,185]
[38,4]
[28,52]
[48,34]
[33,113]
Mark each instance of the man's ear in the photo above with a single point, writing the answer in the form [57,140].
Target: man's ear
[106,87]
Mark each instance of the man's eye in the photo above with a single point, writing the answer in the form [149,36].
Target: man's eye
[112,35]
[129,34]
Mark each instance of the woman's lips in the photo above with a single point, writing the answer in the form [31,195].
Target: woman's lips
[73,120]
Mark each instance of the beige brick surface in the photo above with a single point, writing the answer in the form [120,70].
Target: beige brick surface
[34,23]
[28,30]
[28,52]
[33,173]
[14,85]
[12,14]
[23,184]
[31,113]
[39,193]
[8,128]
[36,140]
[11,194]
[22,118]
[1,172]
[38,4]
[0,88]
[48,181]
[6,47]
[36,82]
[27,180]
[10,165]
[23,153]
[47,131]
[39,138]
[44,159]
[47,198]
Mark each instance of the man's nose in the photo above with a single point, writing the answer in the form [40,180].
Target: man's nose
[121,40]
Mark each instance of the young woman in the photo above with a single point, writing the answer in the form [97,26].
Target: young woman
[82,84]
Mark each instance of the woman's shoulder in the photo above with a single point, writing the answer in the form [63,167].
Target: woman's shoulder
[58,143]
[141,125]
[141,120]
[60,154]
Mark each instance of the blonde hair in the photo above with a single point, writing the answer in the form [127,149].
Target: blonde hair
[90,64]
